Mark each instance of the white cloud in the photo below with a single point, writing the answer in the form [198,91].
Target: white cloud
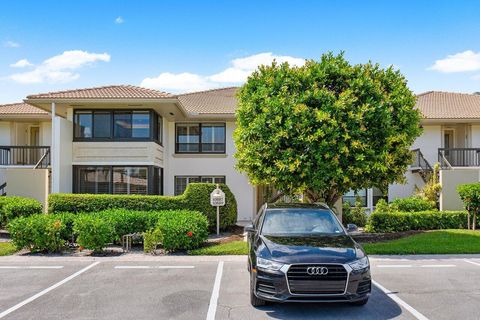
[22,63]
[11,44]
[178,82]
[237,73]
[59,68]
[119,20]
[459,62]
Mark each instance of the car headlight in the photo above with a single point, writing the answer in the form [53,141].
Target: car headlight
[359,264]
[269,265]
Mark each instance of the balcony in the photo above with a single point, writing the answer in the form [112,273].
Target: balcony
[458,157]
[31,156]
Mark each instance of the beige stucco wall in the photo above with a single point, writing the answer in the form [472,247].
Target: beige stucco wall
[30,183]
[450,179]
[211,165]
[131,153]
[429,142]
[475,136]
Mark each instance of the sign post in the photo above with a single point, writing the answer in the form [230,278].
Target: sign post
[217,199]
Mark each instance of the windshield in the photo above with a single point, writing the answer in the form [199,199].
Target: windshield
[303,222]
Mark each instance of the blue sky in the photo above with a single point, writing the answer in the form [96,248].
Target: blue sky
[192,45]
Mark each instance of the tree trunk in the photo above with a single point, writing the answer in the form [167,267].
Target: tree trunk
[468,218]
[275,197]
[474,224]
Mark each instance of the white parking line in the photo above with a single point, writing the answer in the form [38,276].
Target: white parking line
[394,266]
[31,267]
[437,266]
[471,262]
[397,299]
[212,307]
[41,293]
[154,267]
[419,266]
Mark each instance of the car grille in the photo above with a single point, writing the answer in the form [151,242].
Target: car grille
[364,287]
[300,282]
[266,288]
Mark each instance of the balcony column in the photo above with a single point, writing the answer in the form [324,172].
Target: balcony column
[53,154]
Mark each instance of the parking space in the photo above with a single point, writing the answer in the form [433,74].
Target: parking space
[438,288]
[218,288]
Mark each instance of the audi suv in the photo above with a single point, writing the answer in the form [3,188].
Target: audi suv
[302,253]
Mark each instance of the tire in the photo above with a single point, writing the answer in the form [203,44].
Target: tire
[254,300]
[360,302]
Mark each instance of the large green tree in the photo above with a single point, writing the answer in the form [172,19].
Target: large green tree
[326,127]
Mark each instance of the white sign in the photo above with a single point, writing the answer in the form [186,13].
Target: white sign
[217,198]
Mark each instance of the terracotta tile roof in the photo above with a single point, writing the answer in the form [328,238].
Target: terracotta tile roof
[215,101]
[448,105]
[107,92]
[20,108]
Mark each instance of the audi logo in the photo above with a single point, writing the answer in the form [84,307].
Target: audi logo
[317,271]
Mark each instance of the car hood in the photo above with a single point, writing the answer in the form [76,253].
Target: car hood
[317,249]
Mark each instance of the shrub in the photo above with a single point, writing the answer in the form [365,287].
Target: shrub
[183,230]
[40,232]
[196,198]
[470,195]
[411,204]
[423,220]
[151,239]
[92,232]
[382,206]
[12,207]
[355,215]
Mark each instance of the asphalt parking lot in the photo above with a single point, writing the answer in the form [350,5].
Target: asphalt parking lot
[144,287]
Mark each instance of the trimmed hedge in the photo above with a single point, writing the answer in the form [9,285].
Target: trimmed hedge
[12,207]
[423,220]
[180,229]
[195,198]
[93,232]
[411,204]
[41,232]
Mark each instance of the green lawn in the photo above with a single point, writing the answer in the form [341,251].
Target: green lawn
[430,242]
[229,248]
[433,242]
[6,248]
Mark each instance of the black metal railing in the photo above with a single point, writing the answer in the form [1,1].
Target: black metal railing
[3,191]
[421,165]
[38,156]
[419,161]
[459,157]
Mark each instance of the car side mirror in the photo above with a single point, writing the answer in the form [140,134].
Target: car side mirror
[249,228]
[351,227]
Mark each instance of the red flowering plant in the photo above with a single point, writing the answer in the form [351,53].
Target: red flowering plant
[190,233]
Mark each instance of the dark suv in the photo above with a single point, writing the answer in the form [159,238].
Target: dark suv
[302,253]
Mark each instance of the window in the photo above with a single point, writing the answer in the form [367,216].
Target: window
[188,138]
[130,180]
[101,124]
[121,125]
[351,197]
[118,180]
[94,180]
[181,182]
[200,138]
[83,124]
[377,195]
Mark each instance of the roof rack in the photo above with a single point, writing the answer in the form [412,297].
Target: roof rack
[318,205]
